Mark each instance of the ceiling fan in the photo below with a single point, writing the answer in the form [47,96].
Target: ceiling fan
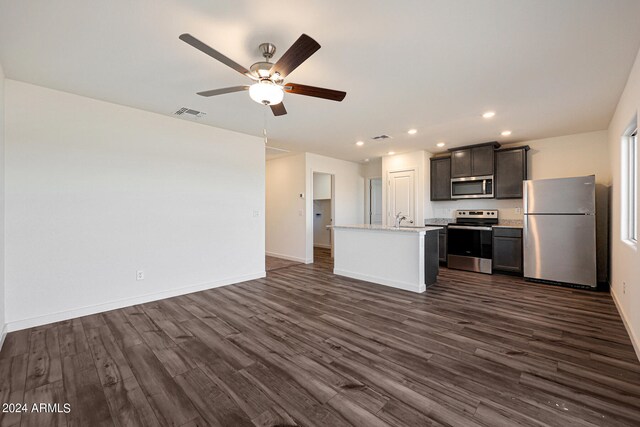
[269,87]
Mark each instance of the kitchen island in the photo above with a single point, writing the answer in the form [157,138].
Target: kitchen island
[404,257]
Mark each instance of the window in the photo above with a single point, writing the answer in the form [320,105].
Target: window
[630,186]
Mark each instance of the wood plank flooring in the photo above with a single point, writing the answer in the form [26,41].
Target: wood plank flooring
[305,347]
[273,263]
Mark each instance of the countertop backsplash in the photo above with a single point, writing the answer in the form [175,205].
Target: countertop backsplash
[504,212]
[511,223]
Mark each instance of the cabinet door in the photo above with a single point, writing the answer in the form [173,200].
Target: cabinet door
[511,170]
[507,254]
[461,163]
[482,160]
[441,179]
[442,246]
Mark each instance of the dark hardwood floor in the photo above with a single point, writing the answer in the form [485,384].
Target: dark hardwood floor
[273,263]
[305,347]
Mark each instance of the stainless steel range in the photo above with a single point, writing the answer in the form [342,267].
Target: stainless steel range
[469,240]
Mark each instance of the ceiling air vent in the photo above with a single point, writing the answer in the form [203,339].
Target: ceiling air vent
[188,111]
[380,137]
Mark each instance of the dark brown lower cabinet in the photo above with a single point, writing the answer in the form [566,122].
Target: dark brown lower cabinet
[507,250]
[442,242]
[442,248]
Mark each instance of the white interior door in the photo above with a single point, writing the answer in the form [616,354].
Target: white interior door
[402,196]
[375,201]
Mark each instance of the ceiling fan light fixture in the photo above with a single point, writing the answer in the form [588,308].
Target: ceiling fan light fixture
[266,92]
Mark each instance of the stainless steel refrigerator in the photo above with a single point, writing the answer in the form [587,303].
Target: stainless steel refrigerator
[560,230]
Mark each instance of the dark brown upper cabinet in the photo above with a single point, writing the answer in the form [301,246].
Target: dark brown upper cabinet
[441,178]
[461,163]
[473,161]
[511,170]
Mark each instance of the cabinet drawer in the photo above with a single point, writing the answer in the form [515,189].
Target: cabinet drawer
[507,232]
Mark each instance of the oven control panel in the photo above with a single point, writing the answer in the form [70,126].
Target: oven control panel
[482,213]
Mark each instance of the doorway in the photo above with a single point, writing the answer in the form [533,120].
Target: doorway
[374,208]
[402,196]
[323,208]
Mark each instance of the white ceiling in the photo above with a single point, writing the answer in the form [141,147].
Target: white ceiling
[547,67]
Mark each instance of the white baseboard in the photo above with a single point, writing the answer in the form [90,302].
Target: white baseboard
[406,286]
[3,335]
[634,339]
[287,257]
[114,305]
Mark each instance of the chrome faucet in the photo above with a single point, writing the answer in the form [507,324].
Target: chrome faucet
[399,219]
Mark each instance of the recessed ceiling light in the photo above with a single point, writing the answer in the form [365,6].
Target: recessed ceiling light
[489,114]
[440,144]
[412,131]
[366,160]
[505,133]
[391,153]
[359,143]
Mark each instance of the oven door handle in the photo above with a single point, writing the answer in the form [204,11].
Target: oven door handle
[469,227]
[484,186]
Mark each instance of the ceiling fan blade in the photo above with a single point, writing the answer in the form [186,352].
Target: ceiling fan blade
[224,90]
[278,109]
[318,92]
[299,52]
[202,47]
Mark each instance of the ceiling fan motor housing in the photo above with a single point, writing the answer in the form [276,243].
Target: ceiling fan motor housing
[261,69]
[267,50]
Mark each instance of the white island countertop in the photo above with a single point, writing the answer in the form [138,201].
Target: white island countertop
[404,257]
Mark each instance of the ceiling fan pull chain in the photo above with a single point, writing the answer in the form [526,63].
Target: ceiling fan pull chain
[264,129]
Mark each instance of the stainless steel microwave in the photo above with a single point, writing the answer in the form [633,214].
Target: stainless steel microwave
[475,187]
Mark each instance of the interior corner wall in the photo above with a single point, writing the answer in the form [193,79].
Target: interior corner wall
[348,206]
[96,192]
[2,288]
[285,209]
[625,259]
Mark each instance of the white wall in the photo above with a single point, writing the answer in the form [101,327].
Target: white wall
[419,162]
[347,197]
[285,217]
[96,191]
[625,259]
[2,288]
[290,218]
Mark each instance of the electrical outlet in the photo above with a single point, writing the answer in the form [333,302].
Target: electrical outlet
[256,213]
[624,287]
[518,210]
[139,275]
